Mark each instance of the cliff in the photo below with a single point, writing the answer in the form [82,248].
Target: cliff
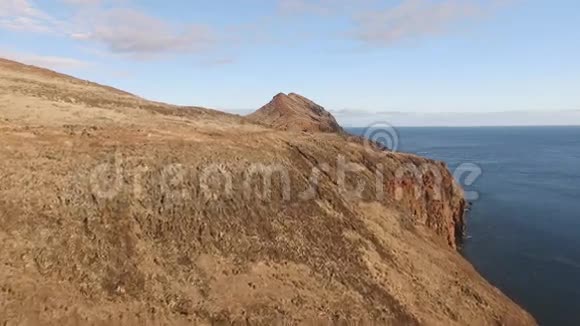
[119,211]
[294,112]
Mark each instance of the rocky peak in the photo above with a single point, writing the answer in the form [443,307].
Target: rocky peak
[294,112]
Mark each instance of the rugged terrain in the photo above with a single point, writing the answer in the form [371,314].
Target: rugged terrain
[115,210]
[294,112]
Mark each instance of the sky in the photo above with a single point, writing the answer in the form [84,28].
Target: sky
[404,62]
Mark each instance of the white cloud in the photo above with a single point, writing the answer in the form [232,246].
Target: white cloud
[376,23]
[18,7]
[24,15]
[303,6]
[322,7]
[122,31]
[51,62]
[416,18]
[82,2]
[128,31]
[359,118]
[93,3]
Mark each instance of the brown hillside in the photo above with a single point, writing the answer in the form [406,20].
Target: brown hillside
[293,112]
[119,211]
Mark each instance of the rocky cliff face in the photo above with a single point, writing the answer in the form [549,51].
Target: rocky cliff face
[119,211]
[294,112]
[427,190]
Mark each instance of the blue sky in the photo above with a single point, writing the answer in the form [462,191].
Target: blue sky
[412,62]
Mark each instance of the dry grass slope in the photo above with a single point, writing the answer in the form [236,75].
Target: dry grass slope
[165,247]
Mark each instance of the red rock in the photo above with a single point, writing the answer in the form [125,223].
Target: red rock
[294,112]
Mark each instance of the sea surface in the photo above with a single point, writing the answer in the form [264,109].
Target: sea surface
[524,229]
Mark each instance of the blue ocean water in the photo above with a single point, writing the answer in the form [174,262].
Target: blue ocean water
[524,230]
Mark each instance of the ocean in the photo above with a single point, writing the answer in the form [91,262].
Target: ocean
[524,229]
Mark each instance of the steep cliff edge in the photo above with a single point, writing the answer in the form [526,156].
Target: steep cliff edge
[294,112]
[119,211]
[415,182]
